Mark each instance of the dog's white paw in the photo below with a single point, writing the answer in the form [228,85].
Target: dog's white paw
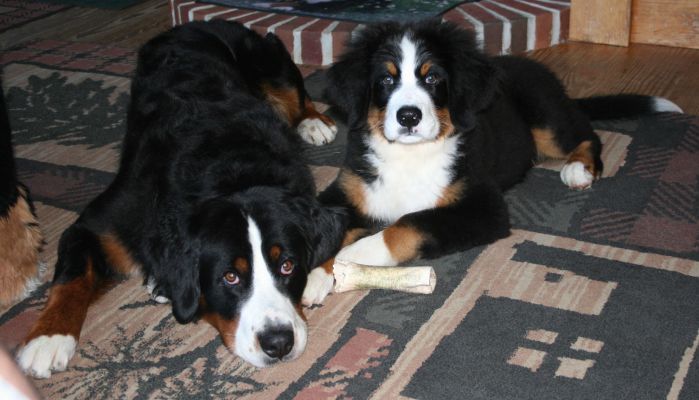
[318,286]
[371,250]
[316,132]
[155,293]
[575,176]
[45,354]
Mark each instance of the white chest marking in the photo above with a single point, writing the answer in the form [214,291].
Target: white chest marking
[410,177]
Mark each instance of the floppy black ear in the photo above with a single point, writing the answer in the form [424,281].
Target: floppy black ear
[348,88]
[473,79]
[329,227]
[183,282]
[349,84]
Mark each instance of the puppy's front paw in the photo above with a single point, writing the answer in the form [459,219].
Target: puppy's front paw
[317,132]
[318,286]
[576,176]
[155,292]
[45,354]
[371,250]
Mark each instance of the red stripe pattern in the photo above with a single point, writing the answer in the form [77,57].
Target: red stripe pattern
[502,26]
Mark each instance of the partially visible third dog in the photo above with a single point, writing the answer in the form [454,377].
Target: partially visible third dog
[212,202]
[20,236]
[438,131]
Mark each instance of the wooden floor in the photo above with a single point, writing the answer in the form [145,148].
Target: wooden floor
[589,69]
[585,69]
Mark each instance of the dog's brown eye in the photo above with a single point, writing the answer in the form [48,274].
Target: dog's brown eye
[287,267]
[387,80]
[231,279]
[431,79]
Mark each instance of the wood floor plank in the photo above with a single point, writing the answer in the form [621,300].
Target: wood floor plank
[590,69]
[129,27]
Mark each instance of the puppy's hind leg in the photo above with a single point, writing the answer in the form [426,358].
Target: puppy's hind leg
[581,151]
[583,166]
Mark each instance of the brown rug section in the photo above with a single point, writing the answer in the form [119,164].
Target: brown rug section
[594,295]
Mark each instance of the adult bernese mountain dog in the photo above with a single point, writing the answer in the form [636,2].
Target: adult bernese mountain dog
[212,201]
[438,130]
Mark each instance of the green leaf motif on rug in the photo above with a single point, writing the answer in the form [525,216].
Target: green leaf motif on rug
[82,113]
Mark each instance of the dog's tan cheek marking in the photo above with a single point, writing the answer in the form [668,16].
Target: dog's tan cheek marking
[353,187]
[583,154]
[546,144]
[285,101]
[403,241]
[117,255]
[446,127]
[20,242]
[299,310]
[67,306]
[452,193]
[226,328]
[375,120]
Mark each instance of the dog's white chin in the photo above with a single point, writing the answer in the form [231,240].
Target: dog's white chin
[426,131]
[418,135]
[411,139]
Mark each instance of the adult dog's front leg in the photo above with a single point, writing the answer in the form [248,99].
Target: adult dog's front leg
[80,278]
[479,217]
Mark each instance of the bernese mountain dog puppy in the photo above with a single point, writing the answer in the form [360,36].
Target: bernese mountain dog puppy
[438,131]
[212,202]
[20,236]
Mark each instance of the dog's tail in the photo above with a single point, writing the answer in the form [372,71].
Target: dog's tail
[625,106]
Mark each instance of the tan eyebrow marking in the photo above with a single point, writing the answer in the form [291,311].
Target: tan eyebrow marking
[392,69]
[425,68]
[275,252]
[241,265]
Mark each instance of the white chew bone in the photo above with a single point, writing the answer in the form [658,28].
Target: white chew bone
[352,276]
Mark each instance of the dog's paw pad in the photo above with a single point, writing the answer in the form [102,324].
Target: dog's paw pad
[576,176]
[318,286]
[316,132]
[45,354]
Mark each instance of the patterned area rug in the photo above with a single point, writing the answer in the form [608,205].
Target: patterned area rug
[358,11]
[594,295]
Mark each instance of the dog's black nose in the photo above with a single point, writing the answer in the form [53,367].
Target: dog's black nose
[276,343]
[409,116]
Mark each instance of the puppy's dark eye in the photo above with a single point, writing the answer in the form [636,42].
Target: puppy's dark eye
[231,279]
[287,267]
[431,79]
[387,80]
